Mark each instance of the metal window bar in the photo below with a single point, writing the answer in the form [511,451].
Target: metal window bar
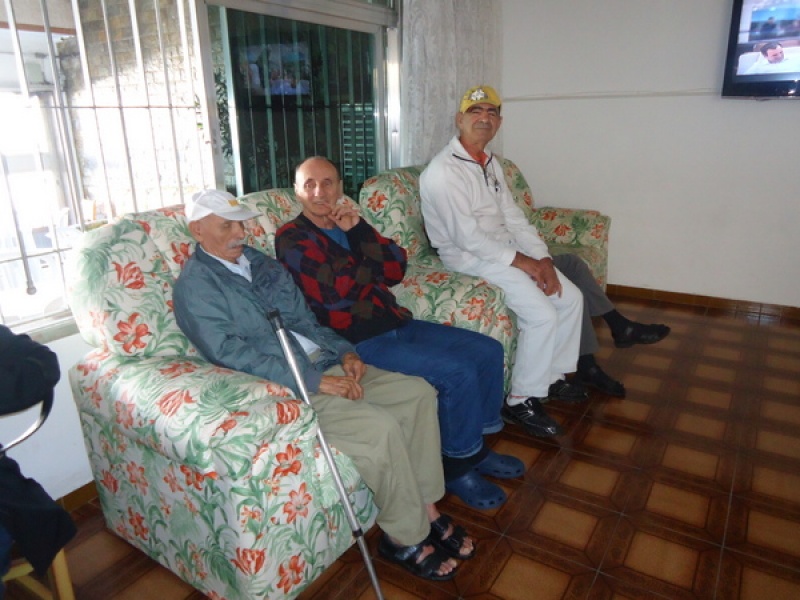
[137,45]
[87,82]
[201,140]
[25,91]
[83,106]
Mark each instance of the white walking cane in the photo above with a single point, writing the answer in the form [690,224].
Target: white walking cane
[275,318]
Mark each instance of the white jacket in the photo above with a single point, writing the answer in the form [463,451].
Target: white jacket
[469,212]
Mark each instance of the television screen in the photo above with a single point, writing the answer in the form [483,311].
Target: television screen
[763,57]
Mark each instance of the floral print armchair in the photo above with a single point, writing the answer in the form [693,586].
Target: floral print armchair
[390,203]
[213,473]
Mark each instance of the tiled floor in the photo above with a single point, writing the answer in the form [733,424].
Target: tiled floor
[688,488]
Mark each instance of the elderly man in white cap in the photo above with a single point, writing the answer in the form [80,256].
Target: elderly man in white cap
[385,422]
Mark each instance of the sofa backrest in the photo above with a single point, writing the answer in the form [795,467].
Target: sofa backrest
[122,274]
[120,287]
[390,202]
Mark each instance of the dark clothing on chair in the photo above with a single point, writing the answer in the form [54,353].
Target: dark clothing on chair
[28,373]
[38,525]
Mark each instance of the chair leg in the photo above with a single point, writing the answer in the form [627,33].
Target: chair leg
[60,581]
[22,574]
[57,575]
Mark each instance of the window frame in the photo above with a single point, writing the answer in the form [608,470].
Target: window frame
[380,22]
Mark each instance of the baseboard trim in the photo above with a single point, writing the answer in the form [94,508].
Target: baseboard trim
[77,498]
[739,306]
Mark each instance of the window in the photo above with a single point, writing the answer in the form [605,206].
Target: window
[294,90]
[113,109]
[289,88]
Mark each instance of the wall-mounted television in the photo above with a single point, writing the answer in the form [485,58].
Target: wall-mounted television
[763,59]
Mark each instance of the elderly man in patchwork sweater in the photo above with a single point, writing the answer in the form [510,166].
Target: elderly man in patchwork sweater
[345,268]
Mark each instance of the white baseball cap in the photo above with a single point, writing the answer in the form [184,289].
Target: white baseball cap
[216,202]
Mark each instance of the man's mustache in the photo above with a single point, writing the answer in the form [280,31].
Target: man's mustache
[234,244]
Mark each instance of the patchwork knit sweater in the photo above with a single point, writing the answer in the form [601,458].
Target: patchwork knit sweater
[348,290]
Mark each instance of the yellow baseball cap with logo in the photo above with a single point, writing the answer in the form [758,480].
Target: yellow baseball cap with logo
[481,94]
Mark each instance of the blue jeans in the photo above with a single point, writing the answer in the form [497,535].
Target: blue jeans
[465,367]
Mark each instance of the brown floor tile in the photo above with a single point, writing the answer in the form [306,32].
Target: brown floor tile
[688,509]
[521,572]
[763,531]
[661,560]
[744,578]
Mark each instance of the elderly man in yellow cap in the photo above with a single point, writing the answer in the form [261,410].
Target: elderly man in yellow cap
[473,221]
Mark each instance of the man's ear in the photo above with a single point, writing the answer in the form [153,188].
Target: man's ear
[196,229]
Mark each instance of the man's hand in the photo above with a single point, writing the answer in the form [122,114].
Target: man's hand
[541,271]
[549,278]
[353,366]
[345,216]
[346,387]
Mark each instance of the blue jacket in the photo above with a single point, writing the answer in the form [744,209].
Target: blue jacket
[225,316]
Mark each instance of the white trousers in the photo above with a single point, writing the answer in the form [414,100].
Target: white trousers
[549,327]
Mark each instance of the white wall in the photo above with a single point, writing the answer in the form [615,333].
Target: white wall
[615,105]
[55,455]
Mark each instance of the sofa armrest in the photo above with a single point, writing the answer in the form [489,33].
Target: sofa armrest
[564,230]
[571,227]
[576,231]
[214,420]
[434,294]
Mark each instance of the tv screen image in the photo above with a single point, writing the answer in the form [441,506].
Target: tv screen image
[289,69]
[763,59]
[276,69]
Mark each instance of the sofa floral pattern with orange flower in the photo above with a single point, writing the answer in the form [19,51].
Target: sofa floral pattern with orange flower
[390,203]
[215,474]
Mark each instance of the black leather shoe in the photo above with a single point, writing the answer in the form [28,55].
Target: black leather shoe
[567,391]
[595,377]
[531,415]
[636,333]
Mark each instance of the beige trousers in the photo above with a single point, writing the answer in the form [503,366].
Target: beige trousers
[392,436]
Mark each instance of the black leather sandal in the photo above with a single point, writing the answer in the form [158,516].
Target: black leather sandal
[408,557]
[453,544]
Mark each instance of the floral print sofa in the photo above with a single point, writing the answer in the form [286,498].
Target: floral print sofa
[390,202]
[213,473]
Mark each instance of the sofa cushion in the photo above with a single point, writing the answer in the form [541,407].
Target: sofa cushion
[276,207]
[168,230]
[392,205]
[121,293]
